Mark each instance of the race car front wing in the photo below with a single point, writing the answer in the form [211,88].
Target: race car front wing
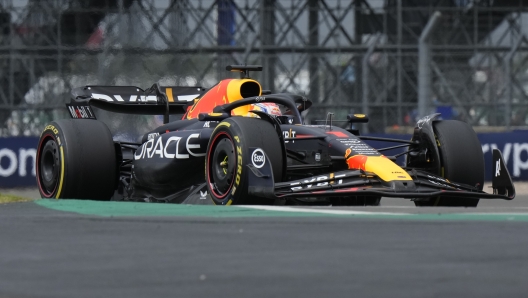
[360,183]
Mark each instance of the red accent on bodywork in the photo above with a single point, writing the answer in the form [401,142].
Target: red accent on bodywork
[347,189]
[357,162]
[216,96]
[337,133]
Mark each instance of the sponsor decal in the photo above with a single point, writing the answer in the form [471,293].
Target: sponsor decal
[289,134]
[80,111]
[440,184]
[203,195]
[359,147]
[359,115]
[144,98]
[239,166]
[52,128]
[207,124]
[171,148]
[260,98]
[317,156]
[440,181]
[347,152]
[350,142]
[318,181]
[132,98]
[258,158]
[497,168]
[187,97]
[153,135]
[424,120]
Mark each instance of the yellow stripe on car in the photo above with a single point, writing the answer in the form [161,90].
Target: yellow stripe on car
[169,94]
[386,169]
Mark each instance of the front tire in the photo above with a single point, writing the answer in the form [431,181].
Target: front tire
[228,155]
[461,160]
[76,159]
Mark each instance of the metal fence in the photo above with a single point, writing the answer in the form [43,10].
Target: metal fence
[346,56]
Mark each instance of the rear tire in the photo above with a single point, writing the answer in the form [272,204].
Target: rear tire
[76,159]
[461,159]
[228,154]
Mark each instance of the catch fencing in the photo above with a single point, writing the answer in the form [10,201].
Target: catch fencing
[359,56]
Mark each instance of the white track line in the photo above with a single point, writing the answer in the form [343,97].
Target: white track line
[325,211]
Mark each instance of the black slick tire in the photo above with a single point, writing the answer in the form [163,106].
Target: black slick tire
[228,154]
[462,161]
[76,159]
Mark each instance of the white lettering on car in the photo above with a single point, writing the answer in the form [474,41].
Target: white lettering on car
[309,183]
[193,146]
[170,155]
[119,98]
[289,134]
[102,96]
[153,135]
[155,147]
[158,149]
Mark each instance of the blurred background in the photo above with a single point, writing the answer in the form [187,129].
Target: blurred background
[395,60]
[371,56]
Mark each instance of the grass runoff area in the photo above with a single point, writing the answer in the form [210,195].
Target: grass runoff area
[10,199]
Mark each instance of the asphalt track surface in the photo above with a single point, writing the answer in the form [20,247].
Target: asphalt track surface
[61,248]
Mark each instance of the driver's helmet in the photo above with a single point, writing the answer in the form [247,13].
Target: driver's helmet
[266,107]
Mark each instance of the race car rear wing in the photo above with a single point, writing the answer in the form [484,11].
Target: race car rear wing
[156,100]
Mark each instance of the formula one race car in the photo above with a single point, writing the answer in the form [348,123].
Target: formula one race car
[239,144]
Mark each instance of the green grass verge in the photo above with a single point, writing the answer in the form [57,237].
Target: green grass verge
[10,199]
